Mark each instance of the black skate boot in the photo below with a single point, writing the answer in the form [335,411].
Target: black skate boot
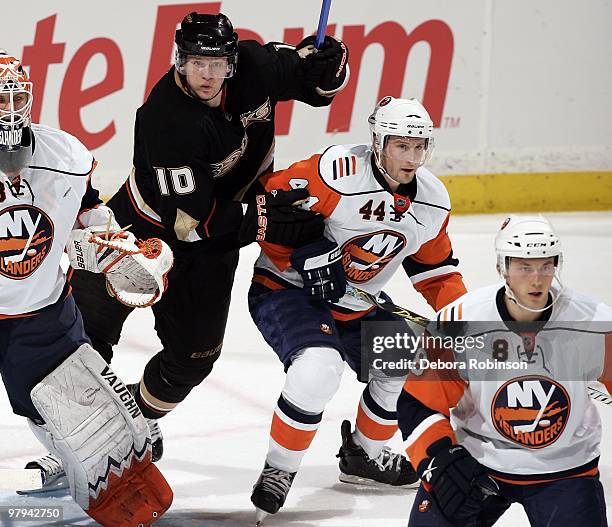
[270,491]
[53,476]
[388,468]
[157,439]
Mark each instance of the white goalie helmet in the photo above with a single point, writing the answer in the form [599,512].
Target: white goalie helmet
[527,237]
[403,118]
[15,115]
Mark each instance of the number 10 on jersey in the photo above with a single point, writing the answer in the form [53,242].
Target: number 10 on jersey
[181,179]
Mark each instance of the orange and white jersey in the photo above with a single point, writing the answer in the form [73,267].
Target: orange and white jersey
[376,229]
[533,421]
[37,213]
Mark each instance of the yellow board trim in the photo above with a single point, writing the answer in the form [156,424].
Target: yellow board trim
[522,192]
[537,192]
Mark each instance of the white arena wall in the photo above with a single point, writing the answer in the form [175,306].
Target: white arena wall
[519,91]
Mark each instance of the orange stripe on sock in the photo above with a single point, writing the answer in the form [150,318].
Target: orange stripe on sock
[289,437]
[373,430]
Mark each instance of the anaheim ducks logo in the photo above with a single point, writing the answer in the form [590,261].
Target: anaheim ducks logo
[363,257]
[261,115]
[531,411]
[26,235]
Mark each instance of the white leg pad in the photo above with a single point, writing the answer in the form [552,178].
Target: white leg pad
[313,378]
[93,422]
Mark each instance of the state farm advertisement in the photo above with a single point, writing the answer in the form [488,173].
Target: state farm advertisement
[499,81]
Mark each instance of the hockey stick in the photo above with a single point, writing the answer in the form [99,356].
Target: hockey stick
[390,307]
[322,23]
[598,395]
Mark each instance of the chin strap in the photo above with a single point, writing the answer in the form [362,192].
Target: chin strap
[555,297]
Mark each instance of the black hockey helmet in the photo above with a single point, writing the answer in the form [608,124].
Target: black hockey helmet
[209,35]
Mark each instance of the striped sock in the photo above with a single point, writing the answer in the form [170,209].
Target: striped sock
[291,433]
[151,406]
[375,424]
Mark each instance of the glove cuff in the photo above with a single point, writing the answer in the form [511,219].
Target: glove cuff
[440,444]
[331,93]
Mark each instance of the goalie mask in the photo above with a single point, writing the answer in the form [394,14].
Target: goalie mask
[15,115]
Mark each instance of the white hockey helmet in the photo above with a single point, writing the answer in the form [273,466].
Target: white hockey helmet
[403,118]
[526,236]
[15,115]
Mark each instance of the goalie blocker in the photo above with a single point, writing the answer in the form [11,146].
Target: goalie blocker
[94,425]
[136,271]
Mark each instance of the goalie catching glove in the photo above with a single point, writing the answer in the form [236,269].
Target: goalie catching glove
[135,270]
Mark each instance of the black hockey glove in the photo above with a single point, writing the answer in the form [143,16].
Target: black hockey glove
[320,264]
[327,67]
[275,218]
[459,484]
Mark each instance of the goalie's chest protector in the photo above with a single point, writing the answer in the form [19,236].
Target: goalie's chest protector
[37,214]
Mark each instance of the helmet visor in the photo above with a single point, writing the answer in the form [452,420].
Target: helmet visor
[206,67]
[415,150]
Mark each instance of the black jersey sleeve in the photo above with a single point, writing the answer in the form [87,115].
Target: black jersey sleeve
[175,179]
[91,198]
[283,72]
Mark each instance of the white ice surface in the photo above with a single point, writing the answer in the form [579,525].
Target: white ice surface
[215,442]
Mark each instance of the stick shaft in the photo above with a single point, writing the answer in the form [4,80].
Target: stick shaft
[322,23]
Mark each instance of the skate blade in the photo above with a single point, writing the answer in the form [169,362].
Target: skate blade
[36,488]
[373,484]
[11,479]
[259,517]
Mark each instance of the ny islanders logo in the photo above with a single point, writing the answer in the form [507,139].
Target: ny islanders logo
[531,411]
[26,235]
[364,256]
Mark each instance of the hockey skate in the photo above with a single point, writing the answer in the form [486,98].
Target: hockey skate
[52,472]
[52,475]
[157,439]
[388,469]
[270,491]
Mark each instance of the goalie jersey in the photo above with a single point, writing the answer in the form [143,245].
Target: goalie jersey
[376,229]
[529,423]
[37,212]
